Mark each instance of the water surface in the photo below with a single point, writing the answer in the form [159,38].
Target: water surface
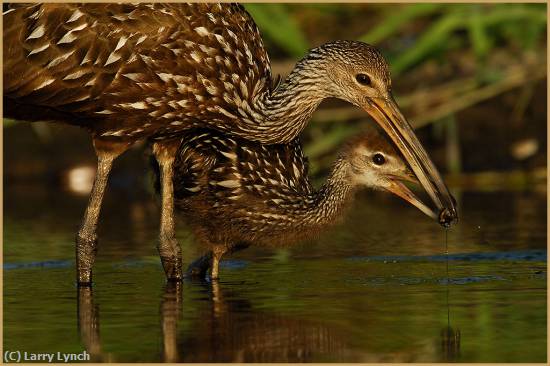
[374,289]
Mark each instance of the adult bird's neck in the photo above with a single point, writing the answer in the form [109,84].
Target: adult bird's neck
[287,109]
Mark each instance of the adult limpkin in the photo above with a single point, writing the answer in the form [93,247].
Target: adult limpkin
[128,72]
[235,193]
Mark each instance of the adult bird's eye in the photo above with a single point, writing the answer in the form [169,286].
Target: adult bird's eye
[378,159]
[363,79]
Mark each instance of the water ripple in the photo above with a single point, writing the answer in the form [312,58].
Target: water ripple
[528,255]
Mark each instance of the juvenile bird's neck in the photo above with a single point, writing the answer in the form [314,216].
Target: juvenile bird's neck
[327,205]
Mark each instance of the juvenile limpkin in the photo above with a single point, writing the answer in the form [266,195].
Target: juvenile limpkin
[235,193]
[128,72]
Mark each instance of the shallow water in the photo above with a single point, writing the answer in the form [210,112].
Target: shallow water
[374,289]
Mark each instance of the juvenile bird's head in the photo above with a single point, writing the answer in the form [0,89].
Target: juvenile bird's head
[376,164]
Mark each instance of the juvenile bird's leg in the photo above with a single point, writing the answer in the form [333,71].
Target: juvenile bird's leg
[86,238]
[199,268]
[169,249]
[217,254]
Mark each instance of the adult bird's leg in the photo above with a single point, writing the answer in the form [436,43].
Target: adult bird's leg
[168,247]
[86,238]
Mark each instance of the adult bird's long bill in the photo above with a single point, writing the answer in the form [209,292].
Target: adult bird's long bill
[388,115]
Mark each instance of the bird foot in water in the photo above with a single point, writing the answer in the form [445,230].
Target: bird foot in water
[172,268]
[198,269]
[170,256]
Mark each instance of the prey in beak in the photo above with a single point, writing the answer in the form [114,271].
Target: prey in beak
[392,121]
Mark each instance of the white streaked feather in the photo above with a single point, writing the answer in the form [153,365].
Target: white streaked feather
[39,49]
[113,57]
[75,16]
[45,83]
[37,33]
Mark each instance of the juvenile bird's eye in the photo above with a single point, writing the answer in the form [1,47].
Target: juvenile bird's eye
[378,159]
[362,79]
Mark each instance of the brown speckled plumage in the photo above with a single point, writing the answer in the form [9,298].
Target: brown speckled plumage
[152,70]
[161,66]
[235,193]
[128,72]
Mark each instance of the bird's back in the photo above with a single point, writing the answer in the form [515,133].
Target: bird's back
[132,69]
[228,186]
[214,164]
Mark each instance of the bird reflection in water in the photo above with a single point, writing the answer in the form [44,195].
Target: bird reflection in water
[450,343]
[88,324]
[170,312]
[450,337]
[230,330]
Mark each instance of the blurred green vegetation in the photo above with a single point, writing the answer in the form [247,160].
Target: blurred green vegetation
[458,70]
[444,59]
[276,22]
[475,28]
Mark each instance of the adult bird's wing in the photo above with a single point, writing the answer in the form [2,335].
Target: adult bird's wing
[168,62]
